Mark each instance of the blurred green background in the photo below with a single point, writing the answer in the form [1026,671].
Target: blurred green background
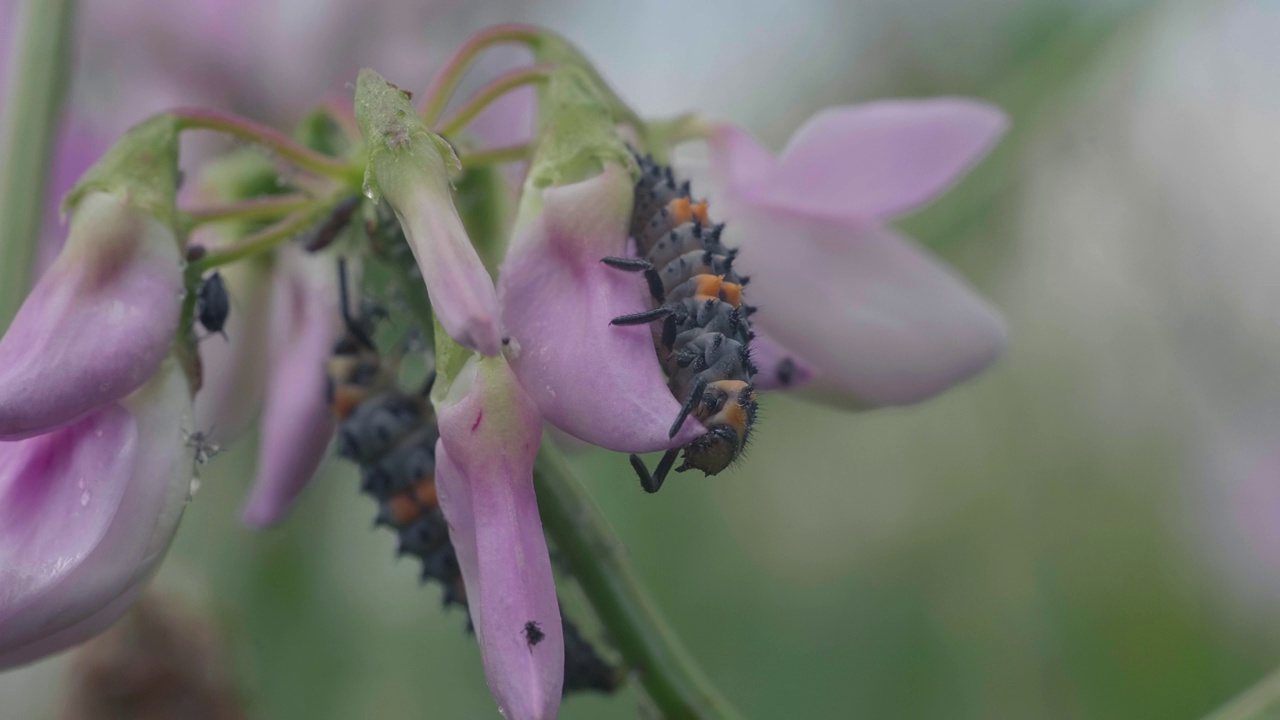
[1089,530]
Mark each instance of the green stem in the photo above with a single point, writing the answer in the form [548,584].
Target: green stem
[278,142]
[262,241]
[40,69]
[494,90]
[267,207]
[1259,702]
[599,564]
[436,98]
[493,156]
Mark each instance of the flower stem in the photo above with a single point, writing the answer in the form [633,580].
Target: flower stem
[1256,703]
[40,69]
[266,207]
[259,242]
[278,142]
[599,563]
[493,91]
[437,96]
[493,156]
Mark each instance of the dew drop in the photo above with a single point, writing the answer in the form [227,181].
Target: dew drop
[84,499]
[194,488]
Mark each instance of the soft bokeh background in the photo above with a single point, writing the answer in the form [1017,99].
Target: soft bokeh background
[1090,530]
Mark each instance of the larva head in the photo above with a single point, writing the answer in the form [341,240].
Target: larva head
[727,410]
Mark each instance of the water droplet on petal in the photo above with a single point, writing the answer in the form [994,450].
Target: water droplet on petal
[84,499]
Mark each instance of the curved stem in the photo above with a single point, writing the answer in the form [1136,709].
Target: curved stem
[664,135]
[278,142]
[40,67]
[494,90]
[493,156]
[436,98]
[599,563]
[261,241]
[265,207]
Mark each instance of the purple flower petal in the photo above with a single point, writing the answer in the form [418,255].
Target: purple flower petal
[296,423]
[864,307]
[96,325]
[777,367]
[598,382]
[234,368]
[86,513]
[865,162]
[461,290]
[484,473]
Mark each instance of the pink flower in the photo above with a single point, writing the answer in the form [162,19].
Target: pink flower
[409,168]
[296,422]
[854,305]
[598,382]
[489,435]
[96,325]
[86,513]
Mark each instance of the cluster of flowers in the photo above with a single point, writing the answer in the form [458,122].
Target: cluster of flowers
[99,369]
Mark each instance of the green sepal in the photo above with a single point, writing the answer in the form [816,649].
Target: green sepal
[577,133]
[401,148]
[141,167]
[451,358]
[553,49]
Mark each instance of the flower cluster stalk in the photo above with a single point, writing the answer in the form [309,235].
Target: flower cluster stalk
[39,77]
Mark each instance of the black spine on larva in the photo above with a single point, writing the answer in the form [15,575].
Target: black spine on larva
[392,436]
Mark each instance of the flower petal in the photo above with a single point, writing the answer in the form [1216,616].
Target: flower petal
[234,369]
[461,290]
[866,162]
[86,513]
[484,474]
[864,307]
[777,367]
[96,325]
[598,382]
[296,424]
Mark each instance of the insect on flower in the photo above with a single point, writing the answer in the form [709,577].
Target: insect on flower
[704,342]
[533,634]
[199,441]
[213,304]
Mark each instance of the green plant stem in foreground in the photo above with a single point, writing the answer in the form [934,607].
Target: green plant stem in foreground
[40,72]
[1260,702]
[599,564]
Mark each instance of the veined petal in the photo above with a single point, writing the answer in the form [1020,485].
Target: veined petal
[296,423]
[865,162]
[863,306]
[489,437]
[86,513]
[598,382]
[96,325]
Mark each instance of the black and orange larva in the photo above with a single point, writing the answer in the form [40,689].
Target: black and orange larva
[392,436]
[704,342]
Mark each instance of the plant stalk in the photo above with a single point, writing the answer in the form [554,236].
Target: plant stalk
[39,76]
[600,565]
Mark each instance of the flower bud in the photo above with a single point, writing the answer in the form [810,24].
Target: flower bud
[409,168]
